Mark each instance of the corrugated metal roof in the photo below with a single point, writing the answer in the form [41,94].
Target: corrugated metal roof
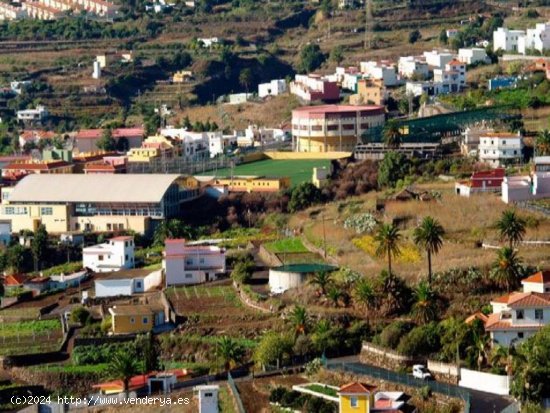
[131,188]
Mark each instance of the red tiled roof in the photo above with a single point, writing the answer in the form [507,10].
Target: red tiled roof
[541,277]
[35,166]
[139,381]
[528,299]
[494,322]
[477,316]
[493,173]
[89,134]
[38,280]
[14,279]
[357,388]
[499,135]
[455,62]
[128,132]
[40,134]
[121,238]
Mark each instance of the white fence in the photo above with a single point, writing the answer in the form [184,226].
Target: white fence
[487,382]
[443,368]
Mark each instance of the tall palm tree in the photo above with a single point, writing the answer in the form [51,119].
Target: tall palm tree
[511,227]
[502,356]
[123,366]
[322,279]
[507,269]
[300,319]
[542,144]
[429,235]
[425,306]
[387,237]
[229,351]
[392,134]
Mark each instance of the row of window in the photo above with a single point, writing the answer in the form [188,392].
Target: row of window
[14,210]
[539,314]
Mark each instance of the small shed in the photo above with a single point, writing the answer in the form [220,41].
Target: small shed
[290,276]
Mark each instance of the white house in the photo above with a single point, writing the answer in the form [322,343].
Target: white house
[62,281]
[438,59]
[208,41]
[113,255]
[5,232]
[452,77]
[529,187]
[383,71]
[127,282]
[33,115]
[218,143]
[412,66]
[194,145]
[186,264]
[519,315]
[426,87]
[274,88]
[507,40]
[535,39]
[472,55]
[500,149]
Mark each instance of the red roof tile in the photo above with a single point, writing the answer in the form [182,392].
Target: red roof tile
[357,388]
[36,166]
[14,279]
[541,277]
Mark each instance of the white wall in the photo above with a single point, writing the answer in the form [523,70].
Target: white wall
[487,382]
[152,280]
[280,281]
[112,288]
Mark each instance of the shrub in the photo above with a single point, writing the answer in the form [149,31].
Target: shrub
[361,223]
[80,315]
[242,272]
[277,394]
[425,392]
[423,340]
[390,336]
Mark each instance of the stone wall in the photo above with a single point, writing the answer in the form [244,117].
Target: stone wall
[381,357]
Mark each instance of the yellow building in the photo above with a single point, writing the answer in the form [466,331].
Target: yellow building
[143,154]
[182,76]
[253,183]
[356,398]
[94,202]
[131,319]
[368,92]
[156,146]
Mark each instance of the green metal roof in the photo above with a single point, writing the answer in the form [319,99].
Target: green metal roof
[306,268]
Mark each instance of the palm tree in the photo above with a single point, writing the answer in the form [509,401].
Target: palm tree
[123,366]
[334,295]
[387,237]
[299,319]
[480,348]
[502,356]
[229,351]
[511,227]
[542,144]
[392,134]
[507,269]
[365,294]
[429,235]
[424,306]
[322,279]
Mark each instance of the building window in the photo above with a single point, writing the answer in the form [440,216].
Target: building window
[332,127]
[354,402]
[132,320]
[46,211]
[145,320]
[202,260]
[317,128]
[126,257]
[519,314]
[188,275]
[138,284]
[539,314]
[520,334]
[100,257]
[207,394]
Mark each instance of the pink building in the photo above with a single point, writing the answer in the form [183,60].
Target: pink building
[191,264]
[86,139]
[314,87]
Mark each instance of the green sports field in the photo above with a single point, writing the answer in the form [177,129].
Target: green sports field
[298,170]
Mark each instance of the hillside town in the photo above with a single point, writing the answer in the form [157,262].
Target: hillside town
[275,206]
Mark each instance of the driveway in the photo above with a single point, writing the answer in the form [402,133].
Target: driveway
[480,402]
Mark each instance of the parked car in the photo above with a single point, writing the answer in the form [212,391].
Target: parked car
[421,372]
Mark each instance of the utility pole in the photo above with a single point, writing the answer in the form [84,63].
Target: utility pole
[368,24]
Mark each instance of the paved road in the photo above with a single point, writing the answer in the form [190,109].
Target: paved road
[480,402]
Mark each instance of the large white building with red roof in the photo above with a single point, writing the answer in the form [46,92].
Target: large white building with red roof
[519,315]
[333,128]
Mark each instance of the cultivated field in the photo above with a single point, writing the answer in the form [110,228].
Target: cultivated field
[298,170]
[217,309]
[30,337]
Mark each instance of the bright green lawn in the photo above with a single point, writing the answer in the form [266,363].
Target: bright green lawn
[288,245]
[299,171]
